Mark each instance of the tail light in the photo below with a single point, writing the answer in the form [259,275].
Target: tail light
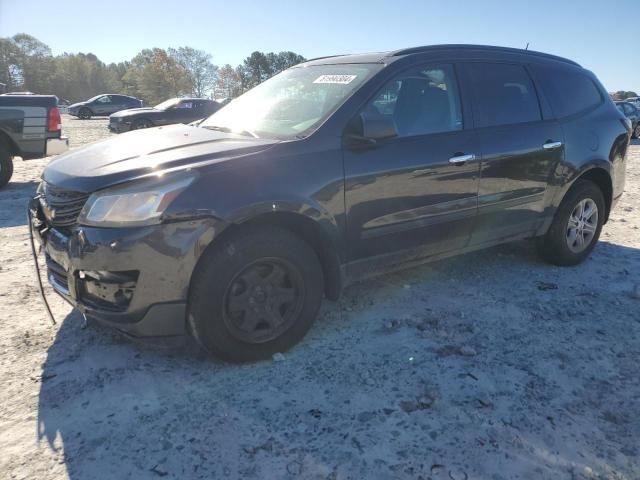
[54,124]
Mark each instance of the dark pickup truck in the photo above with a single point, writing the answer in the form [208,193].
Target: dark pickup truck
[30,127]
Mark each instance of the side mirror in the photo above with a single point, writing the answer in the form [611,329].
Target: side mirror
[372,127]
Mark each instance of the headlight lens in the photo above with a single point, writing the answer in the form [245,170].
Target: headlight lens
[142,203]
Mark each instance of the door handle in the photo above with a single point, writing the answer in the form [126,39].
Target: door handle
[552,145]
[462,159]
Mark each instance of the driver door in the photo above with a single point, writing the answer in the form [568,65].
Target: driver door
[416,194]
[103,105]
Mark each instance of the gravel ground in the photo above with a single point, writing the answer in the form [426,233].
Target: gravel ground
[491,365]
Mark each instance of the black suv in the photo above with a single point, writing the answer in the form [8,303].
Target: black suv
[174,110]
[103,106]
[338,168]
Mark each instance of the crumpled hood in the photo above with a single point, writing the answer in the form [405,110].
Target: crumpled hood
[141,152]
[133,111]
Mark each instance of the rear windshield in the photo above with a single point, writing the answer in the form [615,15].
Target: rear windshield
[293,103]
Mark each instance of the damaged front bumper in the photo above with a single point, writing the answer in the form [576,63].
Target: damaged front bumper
[134,279]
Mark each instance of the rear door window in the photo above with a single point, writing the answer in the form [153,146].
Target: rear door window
[569,91]
[503,95]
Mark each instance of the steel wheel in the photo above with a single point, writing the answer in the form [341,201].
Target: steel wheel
[263,300]
[582,225]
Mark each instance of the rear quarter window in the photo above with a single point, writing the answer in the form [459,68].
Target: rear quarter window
[568,91]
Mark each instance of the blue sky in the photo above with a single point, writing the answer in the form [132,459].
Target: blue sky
[596,34]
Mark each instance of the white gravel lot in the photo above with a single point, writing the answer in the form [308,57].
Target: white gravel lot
[492,365]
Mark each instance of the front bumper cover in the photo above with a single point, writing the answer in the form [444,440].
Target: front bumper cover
[133,279]
[119,127]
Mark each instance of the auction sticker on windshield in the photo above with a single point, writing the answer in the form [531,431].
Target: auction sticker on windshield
[341,79]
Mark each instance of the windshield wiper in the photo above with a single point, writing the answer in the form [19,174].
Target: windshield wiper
[247,133]
[217,129]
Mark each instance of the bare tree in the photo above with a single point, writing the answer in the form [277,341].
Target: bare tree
[228,82]
[201,72]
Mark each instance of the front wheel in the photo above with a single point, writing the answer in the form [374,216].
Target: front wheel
[84,113]
[636,131]
[576,226]
[142,123]
[255,294]
[6,167]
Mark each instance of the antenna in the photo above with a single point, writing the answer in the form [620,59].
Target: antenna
[527,47]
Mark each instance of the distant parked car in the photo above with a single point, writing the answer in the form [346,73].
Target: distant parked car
[103,105]
[634,100]
[174,110]
[630,111]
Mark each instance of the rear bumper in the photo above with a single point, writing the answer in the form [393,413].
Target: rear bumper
[133,279]
[56,146]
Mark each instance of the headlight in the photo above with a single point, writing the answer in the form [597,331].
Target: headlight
[141,203]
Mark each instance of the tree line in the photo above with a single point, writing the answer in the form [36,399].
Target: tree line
[153,75]
[623,95]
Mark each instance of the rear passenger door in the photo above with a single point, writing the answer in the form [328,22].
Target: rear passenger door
[520,150]
[118,102]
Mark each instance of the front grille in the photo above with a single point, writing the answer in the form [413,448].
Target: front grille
[61,207]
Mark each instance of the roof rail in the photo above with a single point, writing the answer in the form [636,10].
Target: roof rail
[454,46]
[326,56]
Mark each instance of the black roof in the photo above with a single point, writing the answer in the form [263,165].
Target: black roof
[384,57]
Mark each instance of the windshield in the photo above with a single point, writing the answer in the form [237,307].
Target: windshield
[292,103]
[166,104]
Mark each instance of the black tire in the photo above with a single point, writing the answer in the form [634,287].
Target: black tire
[636,131]
[85,113]
[218,272]
[554,245]
[6,166]
[141,123]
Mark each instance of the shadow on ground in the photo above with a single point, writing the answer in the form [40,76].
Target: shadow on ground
[364,397]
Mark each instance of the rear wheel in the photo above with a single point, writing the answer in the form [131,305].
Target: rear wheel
[255,294]
[6,166]
[576,226]
[84,113]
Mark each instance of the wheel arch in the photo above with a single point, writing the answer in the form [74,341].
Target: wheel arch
[143,119]
[303,226]
[11,145]
[602,178]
